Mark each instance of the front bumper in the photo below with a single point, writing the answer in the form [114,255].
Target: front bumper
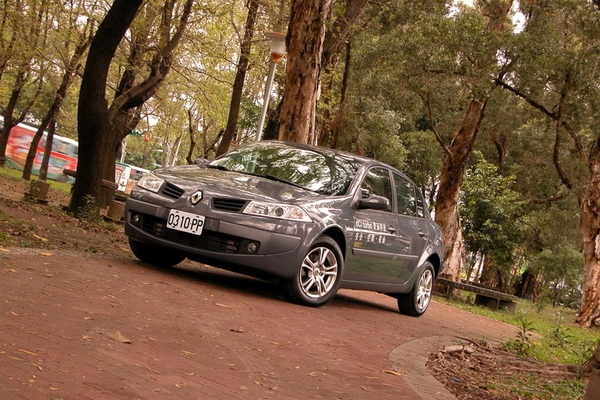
[222,243]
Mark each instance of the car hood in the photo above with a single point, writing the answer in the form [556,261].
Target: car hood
[215,182]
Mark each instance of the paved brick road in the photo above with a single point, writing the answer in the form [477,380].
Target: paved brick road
[89,328]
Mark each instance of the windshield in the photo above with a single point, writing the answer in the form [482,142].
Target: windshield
[328,174]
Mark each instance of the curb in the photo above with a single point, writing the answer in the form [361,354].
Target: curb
[410,359]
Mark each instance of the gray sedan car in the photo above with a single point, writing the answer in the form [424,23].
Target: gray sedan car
[315,219]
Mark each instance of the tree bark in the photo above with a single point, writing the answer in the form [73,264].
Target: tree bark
[240,77]
[189,157]
[306,34]
[95,139]
[43,174]
[451,179]
[593,387]
[8,120]
[589,311]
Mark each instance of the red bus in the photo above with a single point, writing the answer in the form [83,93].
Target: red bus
[63,155]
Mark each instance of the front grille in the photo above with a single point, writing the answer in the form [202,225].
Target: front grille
[172,191]
[210,241]
[231,205]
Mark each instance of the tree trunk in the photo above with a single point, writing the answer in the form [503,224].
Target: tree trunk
[527,286]
[335,39]
[306,34]
[589,311]
[9,120]
[189,157]
[451,179]
[491,275]
[43,174]
[240,77]
[95,138]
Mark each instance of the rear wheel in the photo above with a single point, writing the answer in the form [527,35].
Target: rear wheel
[415,302]
[318,277]
[153,255]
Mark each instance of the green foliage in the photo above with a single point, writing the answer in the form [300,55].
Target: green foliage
[249,116]
[522,344]
[561,270]
[376,135]
[90,211]
[491,213]
[424,158]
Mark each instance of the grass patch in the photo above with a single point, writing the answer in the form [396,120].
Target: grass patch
[555,338]
[16,175]
[529,386]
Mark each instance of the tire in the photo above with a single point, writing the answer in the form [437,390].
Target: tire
[319,276]
[157,256]
[415,302]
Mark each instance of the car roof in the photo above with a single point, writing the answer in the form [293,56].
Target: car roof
[335,152]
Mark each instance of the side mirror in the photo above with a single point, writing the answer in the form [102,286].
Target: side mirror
[374,202]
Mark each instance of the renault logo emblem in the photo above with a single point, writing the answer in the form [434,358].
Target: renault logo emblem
[196,197]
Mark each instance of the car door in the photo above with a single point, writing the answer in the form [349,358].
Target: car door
[374,232]
[412,226]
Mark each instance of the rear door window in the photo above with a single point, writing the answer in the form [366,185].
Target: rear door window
[406,196]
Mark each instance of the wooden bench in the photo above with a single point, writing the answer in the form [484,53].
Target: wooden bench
[483,296]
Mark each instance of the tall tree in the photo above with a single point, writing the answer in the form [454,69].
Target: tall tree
[457,154]
[95,139]
[589,311]
[337,40]
[135,88]
[30,23]
[306,34]
[132,92]
[561,84]
[72,68]
[240,76]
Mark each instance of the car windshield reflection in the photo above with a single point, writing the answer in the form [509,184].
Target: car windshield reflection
[308,169]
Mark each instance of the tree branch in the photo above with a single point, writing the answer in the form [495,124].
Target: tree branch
[525,97]
[427,100]
[160,65]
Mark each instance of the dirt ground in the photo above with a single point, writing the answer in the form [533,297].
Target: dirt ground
[29,224]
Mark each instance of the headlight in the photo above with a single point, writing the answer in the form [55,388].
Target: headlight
[150,182]
[274,210]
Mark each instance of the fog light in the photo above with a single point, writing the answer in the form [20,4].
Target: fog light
[251,247]
[135,219]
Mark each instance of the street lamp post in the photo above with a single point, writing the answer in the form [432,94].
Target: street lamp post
[277,53]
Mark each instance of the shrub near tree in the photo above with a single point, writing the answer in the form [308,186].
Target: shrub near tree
[491,216]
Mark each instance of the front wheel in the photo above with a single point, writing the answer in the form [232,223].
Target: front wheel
[415,302]
[319,276]
[153,255]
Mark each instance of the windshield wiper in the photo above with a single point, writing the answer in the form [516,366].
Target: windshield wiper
[278,179]
[219,167]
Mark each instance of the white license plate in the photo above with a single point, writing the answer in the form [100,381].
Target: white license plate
[185,222]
